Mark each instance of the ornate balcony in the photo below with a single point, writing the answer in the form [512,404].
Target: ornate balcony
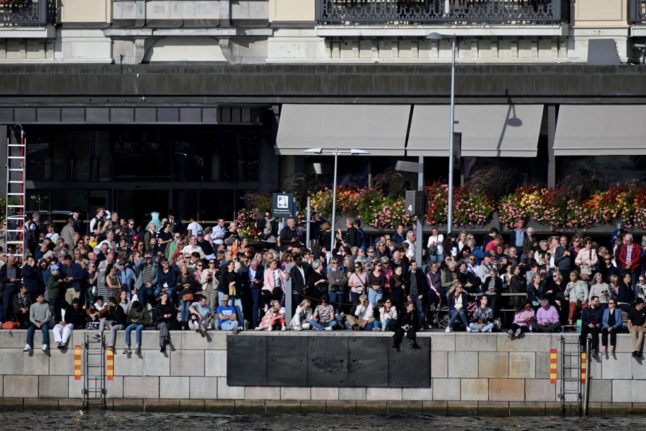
[407,12]
[27,13]
[638,11]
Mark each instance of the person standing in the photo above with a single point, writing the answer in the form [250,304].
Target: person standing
[628,258]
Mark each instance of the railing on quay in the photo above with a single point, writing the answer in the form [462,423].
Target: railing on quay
[637,12]
[442,11]
[28,13]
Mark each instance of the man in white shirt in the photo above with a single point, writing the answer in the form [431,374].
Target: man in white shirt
[194,228]
[410,240]
[482,271]
[192,247]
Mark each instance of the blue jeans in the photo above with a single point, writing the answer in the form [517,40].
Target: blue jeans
[183,310]
[454,316]
[138,329]
[354,298]
[30,334]
[255,304]
[170,290]
[419,307]
[486,328]
[228,325]
[374,297]
[321,326]
[147,295]
[336,299]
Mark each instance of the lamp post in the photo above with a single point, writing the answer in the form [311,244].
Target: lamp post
[453,37]
[336,151]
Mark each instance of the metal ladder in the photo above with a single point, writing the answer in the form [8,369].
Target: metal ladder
[15,238]
[94,391]
[571,385]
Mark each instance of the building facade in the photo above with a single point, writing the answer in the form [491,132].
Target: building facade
[188,104]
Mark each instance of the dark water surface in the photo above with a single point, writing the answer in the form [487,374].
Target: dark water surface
[98,420]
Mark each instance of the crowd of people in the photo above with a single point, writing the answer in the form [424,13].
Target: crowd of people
[117,275]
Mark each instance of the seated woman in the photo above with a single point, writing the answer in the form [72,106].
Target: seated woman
[388,316]
[458,301]
[610,325]
[482,319]
[164,315]
[302,314]
[523,320]
[274,318]
[363,317]
[323,317]
[576,292]
[68,318]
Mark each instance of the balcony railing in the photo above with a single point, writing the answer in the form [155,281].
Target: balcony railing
[27,13]
[638,11]
[386,12]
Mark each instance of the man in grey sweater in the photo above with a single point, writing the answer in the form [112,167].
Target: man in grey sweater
[39,318]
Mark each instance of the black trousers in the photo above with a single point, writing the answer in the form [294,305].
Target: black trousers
[585,330]
[613,337]
[411,335]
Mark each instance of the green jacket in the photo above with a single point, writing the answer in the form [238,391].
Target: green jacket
[140,317]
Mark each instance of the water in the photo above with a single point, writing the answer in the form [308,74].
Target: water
[115,420]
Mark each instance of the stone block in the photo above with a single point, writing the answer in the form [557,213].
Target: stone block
[467,342]
[506,390]
[312,407]
[174,387]
[474,389]
[542,363]
[638,371]
[517,408]
[11,404]
[61,364]
[75,387]
[443,342]
[357,394]
[439,364]
[215,363]
[616,409]
[1,387]
[493,364]
[621,391]
[32,404]
[11,360]
[463,364]
[624,344]
[133,405]
[522,365]
[638,394]
[493,408]
[21,386]
[384,394]
[295,393]
[226,392]
[161,406]
[276,407]
[226,407]
[595,367]
[462,408]
[328,394]
[352,407]
[403,407]
[435,407]
[204,388]
[36,364]
[128,365]
[261,393]
[600,391]
[620,368]
[189,405]
[114,387]
[13,339]
[53,386]
[249,407]
[193,341]
[72,404]
[417,394]
[539,390]
[141,387]
[446,389]
[156,363]
[528,343]
[187,363]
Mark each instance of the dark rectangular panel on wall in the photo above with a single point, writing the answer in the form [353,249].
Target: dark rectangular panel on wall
[287,361]
[25,115]
[73,115]
[168,115]
[98,115]
[190,115]
[49,115]
[368,361]
[327,361]
[122,115]
[210,115]
[410,368]
[146,115]
[247,361]
[6,115]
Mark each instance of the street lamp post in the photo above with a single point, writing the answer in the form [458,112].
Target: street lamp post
[336,151]
[453,37]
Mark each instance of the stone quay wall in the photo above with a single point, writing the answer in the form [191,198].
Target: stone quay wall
[471,374]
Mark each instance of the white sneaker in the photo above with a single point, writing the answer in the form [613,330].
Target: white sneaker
[283,328]
[447,329]
[328,328]
[469,329]
[27,348]
[45,347]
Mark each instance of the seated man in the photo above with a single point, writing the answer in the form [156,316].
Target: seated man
[407,324]
[21,304]
[68,318]
[201,315]
[637,326]
[363,317]
[323,317]
[547,318]
[137,318]
[591,321]
[482,319]
[227,316]
[39,318]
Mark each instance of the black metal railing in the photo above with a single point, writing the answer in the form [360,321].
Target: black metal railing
[637,11]
[442,11]
[27,13]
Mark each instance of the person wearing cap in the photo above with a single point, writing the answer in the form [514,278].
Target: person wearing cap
[227,315]
[55,286]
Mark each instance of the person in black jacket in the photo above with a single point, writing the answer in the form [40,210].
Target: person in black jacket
[164,314]
[418,289]
[297,275]
[492,287]
[289,236]
[407,323]
[591,322]
[116,320]
[68,317]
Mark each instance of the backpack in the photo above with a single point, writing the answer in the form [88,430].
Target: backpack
[10,325]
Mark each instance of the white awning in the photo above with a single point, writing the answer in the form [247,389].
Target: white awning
[600,130]
[379,129]
[487,130]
